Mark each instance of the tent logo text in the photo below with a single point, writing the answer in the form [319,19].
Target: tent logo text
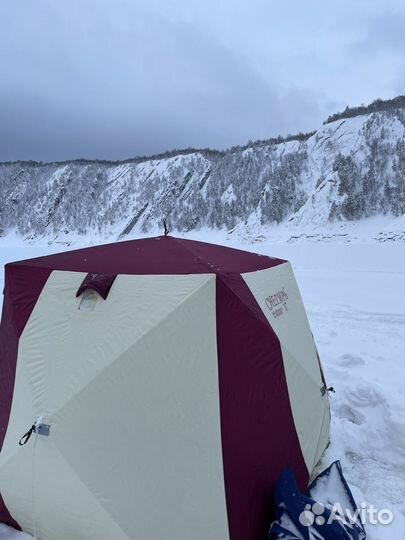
[277,303]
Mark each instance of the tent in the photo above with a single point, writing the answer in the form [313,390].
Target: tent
[169,383]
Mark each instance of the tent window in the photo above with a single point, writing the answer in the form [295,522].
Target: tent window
[100,283]
[88,300]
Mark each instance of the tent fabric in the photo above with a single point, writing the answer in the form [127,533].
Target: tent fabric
[137,359]
[252,382]
[18,303]
[285,312]
[160,255]
[252,434]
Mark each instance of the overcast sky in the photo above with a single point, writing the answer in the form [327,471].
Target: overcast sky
[119,78]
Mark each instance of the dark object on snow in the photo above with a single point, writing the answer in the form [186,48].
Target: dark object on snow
[319,514]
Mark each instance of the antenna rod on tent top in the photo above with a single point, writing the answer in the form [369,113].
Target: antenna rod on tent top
[165,226]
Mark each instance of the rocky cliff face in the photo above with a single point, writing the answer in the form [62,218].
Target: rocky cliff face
[350,168]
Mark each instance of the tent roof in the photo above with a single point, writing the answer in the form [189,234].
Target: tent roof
[158,255]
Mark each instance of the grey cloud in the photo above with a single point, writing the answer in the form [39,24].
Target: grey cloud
[111,80]
[384,33]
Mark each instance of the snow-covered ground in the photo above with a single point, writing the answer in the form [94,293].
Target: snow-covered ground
[354,294]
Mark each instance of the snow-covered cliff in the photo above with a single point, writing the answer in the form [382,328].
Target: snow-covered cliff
[349,169]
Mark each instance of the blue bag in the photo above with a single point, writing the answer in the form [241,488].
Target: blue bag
[327,512]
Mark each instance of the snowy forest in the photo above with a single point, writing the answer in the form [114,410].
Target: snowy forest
[352,167]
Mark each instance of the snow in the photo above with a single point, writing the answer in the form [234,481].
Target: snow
[228,195]
[353,290]
[7,533]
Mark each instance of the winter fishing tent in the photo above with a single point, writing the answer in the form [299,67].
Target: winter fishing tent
[170,383]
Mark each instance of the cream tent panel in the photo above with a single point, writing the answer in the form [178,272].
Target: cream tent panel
[130,390]
[276,292]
